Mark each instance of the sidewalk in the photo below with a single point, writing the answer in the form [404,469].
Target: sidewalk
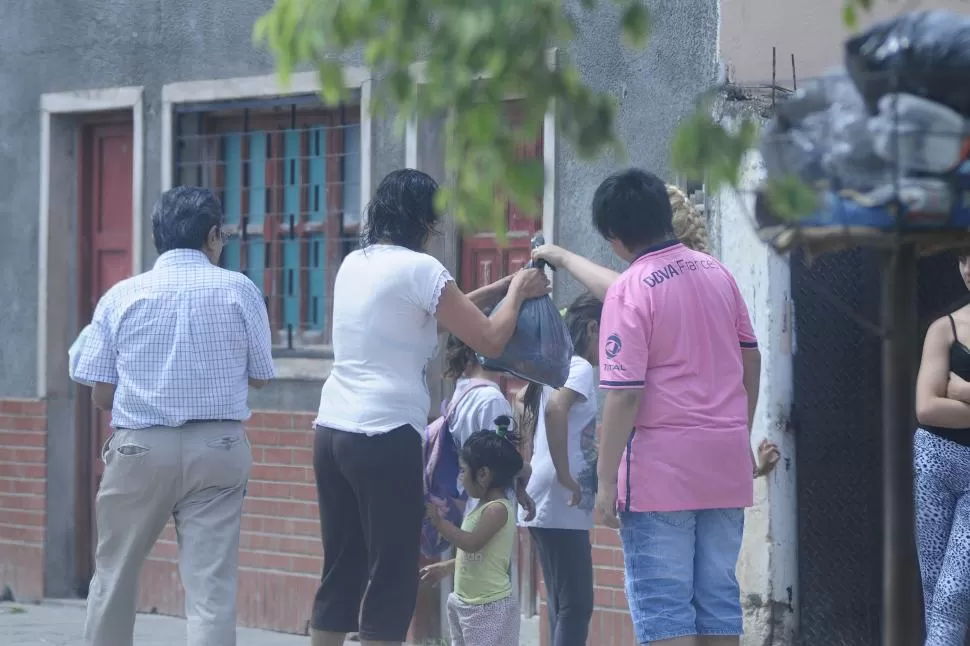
[61,623]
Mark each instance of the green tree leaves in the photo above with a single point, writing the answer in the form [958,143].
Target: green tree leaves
[636,24]
[464,60]
[851,10]
[706,151]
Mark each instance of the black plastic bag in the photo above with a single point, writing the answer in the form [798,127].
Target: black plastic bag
[540,349]
[926,53]
[821,135]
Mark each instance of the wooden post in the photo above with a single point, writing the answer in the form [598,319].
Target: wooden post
[902,617]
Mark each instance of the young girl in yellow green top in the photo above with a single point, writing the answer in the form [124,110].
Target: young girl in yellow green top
[482,610]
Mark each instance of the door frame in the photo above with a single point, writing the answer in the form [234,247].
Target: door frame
[87,436]
[61,114]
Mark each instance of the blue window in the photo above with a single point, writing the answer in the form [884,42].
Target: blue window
[288,175]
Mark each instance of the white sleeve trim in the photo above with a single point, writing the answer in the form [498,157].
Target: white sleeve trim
[444,277]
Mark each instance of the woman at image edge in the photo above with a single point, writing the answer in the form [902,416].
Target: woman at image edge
[389,300]
[942,473]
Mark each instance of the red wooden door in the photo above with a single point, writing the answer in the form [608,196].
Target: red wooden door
[484,260]
[105,257]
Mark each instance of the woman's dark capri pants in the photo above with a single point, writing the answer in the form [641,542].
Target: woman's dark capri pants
[371,494]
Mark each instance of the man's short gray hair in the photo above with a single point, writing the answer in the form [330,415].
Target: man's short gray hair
[183,217]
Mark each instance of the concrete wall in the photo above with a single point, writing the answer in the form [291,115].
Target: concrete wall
[768,567]
[812,30]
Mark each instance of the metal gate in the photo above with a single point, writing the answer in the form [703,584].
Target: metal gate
[837,417]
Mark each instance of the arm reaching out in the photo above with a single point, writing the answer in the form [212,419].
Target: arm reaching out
[435,572]
[596,278]
[488,336]
[489,295]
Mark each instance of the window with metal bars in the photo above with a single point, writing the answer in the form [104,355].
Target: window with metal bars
[287,172]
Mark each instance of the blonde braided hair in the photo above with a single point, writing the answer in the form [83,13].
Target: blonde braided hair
[689,225]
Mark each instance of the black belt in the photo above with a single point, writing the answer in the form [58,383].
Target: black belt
[187,422]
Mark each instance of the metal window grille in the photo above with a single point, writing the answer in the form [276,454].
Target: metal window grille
[288,175]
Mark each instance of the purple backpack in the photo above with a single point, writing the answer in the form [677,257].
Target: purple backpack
[441,473]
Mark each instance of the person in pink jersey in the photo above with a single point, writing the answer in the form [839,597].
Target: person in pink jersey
[680,363]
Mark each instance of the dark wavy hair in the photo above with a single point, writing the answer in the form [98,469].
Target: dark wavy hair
[402,211]
[457,357]
[498,453]
[583,311]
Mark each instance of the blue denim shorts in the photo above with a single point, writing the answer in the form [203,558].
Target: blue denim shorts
[680,572]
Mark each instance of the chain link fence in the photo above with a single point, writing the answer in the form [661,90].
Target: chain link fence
[837,416]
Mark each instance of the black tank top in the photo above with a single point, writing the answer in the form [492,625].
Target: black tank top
[960,365]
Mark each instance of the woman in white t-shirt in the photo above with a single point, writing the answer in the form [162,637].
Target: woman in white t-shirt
[563,482]
[389,298]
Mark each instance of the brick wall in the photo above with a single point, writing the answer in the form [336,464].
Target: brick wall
[280,552]
[611,619]
[23,469]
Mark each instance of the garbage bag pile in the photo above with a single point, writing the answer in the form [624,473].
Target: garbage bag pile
[892,128]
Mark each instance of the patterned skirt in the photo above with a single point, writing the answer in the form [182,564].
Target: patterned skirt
[490,624]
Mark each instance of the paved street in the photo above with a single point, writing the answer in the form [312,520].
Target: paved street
[60,623]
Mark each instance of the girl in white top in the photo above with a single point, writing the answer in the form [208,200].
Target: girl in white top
[479,408]
[389,299]
[563,481]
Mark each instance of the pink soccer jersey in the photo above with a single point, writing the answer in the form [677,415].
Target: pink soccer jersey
[674,324]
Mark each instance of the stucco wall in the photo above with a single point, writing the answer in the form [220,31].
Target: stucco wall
[768,567]
[654,88]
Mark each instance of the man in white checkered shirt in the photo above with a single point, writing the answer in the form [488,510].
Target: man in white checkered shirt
[172,352]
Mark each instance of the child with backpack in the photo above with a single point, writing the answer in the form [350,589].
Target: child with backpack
[482,611]
[477,403]
[478,400]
